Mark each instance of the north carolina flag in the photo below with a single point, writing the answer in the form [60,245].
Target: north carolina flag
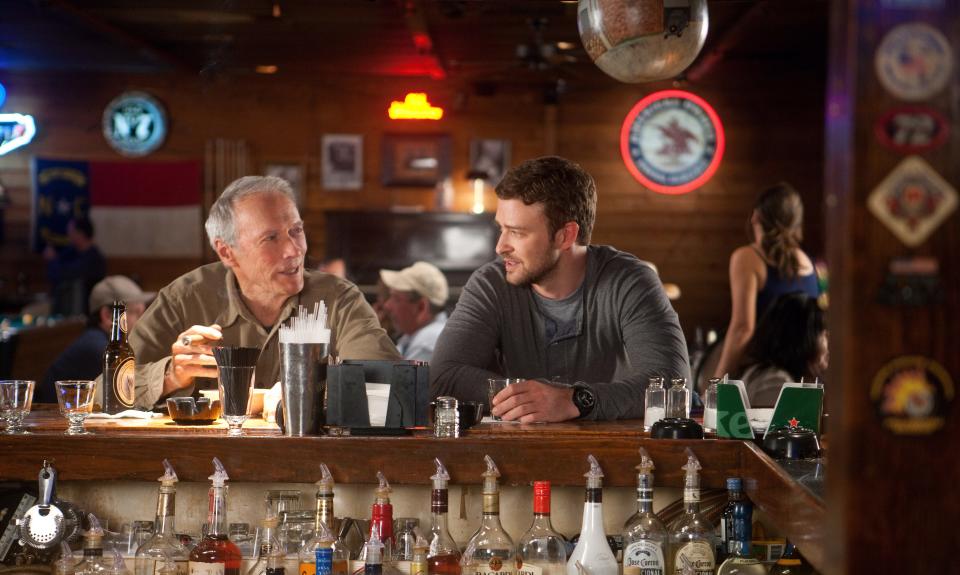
[147,208]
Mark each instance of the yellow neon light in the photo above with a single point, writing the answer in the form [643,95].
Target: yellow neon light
[414,107]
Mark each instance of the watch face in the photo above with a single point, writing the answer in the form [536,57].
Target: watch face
[584,400]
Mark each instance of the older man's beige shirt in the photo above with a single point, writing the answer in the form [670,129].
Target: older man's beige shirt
[210,295]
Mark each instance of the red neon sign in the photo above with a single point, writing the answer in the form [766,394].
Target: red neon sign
[414,107]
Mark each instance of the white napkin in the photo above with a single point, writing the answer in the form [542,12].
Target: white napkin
[127,414]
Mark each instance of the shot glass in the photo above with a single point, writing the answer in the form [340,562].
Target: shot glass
[75,397]
[495,386]
[16,396]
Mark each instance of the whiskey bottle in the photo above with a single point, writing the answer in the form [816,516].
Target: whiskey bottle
[541,551]
[164,543]
[216,554]
[493,551]
[443,554]
[93,562]
[592,550]
[118,364]
[644,535]
[740,561]
[324,518]
[692,542]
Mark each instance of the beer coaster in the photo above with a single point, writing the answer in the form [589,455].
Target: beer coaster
[912,129]
[912,201]
[914,61]
[911,395]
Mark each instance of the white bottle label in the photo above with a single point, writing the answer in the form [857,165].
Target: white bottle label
[197,568]
[645,554]
[181,567]
[528,568]
[691,495]
[698,555]
[495,566]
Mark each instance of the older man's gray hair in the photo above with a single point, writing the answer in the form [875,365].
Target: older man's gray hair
[220,220]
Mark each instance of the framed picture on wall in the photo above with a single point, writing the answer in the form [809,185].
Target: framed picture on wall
[289,171]
[491,157]
[342,161]
[415,159]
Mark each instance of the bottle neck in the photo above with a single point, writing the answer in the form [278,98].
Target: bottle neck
[164,524]
[93,548]
[542,521]
[592,510]
[645,500]
[382,517]
[217,512]
[491,505]
[117,320]
[691,499]
[324,511]
[438,510]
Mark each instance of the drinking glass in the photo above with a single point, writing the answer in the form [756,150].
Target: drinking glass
[234,384]
[16,396]
[75,397]
[496,385]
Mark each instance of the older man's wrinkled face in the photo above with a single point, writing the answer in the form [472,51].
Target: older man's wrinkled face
[269,247]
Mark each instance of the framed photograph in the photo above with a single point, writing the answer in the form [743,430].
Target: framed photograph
[290,172]
[342,161]
[415,159]
[491,157]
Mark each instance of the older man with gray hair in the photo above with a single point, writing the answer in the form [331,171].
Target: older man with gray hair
[256,231]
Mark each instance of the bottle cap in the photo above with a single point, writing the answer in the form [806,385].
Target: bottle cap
[541,497]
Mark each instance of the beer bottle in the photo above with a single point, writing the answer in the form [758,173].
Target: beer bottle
[118,364]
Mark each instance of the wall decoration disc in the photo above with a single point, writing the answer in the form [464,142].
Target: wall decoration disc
[912,201]
[911,129]
[911,395]
[914,61]
[672,141]
[134,124]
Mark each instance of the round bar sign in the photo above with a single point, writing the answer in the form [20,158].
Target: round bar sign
[672,141]
[134,124]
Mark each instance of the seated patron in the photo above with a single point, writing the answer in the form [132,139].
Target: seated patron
[73,270]
[259,282]
[83,359]
[416,303]
[584,326]
[790,343]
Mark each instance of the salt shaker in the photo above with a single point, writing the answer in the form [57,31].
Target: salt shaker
[655,402]
[710,406]
[447,418]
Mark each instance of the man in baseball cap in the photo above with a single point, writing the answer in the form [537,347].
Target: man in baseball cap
[418,295]
[83,359]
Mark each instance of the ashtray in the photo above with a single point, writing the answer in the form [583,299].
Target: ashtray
[470,413]
[791,443]
[190,411]
[676,428]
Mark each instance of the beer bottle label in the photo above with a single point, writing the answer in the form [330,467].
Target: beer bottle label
[124,386]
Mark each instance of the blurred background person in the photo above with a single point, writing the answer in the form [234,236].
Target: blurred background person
[73,270]
[790,343]
[415,306]
[771,265]
[83,359]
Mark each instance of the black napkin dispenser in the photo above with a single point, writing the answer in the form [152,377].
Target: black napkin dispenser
[346,396]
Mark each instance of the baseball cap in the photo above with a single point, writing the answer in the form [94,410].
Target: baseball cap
[120,288]
[423,278]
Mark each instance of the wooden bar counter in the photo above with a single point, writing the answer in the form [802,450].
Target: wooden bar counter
[131,450]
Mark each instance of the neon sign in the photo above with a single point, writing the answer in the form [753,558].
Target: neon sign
[414,107]
[16,130]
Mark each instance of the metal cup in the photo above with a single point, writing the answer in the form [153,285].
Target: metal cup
[303,377]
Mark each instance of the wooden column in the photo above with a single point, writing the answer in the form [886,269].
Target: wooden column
[893,498]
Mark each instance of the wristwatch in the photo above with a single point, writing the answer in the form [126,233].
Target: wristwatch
[584,399]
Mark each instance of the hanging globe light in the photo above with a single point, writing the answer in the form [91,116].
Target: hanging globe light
[642,40]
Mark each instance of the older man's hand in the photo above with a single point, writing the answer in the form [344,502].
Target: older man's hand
[532,401]
[192,356]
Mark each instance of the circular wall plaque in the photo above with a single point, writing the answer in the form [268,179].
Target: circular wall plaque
[672,141]
[134,124]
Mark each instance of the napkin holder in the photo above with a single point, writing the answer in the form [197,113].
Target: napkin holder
[346,397]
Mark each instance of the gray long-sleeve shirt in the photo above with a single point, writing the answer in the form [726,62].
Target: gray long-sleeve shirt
[627,332]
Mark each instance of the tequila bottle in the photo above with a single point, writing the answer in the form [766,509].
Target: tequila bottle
[164,544]
[644,535]
[592,551]
[443,554]
[692,542]
[492,549]
[541,551]
[216,554]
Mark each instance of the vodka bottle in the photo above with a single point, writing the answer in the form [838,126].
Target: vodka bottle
[592,550]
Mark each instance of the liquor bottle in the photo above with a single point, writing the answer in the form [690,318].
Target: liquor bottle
[726,541]
[740,561]
[655,402]
[381,517]
[117,565]
[93,562]
[269,557]
[118,364]
[692,542]
[216,554]
[323,537]
[644,535]
[164,543]
[791,563]
[541,550]
[493,551]
[443,554]
[64,565]
[373,553]
[592,550]
[419,565]
[316,555]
